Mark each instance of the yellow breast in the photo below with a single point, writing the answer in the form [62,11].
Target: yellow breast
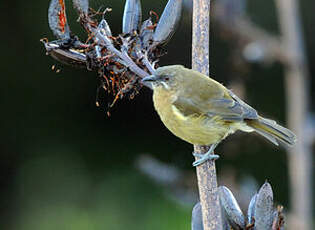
[195,129]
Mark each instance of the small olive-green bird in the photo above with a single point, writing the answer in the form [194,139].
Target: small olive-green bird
[202,111]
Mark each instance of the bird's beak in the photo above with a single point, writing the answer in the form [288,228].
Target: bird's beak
[149,79]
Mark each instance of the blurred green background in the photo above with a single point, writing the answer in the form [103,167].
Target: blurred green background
[65,165]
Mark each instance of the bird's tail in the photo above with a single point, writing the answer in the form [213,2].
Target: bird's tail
[272,131]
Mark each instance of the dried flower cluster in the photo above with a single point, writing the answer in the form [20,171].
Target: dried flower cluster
[261,214]
[121,60]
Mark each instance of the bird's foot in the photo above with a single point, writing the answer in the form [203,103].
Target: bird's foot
[204,157]
[200,155]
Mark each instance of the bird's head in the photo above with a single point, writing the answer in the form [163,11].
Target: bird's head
[168,77]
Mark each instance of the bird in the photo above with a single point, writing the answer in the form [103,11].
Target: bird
[201,111]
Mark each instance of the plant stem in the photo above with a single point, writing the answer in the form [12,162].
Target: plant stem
[298,100]
[206,173]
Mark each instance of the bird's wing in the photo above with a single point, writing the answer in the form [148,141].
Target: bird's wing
[229,107]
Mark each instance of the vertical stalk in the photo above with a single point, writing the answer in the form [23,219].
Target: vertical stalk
[206,173]
[298,99]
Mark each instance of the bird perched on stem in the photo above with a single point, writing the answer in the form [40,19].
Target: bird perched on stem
[202,111]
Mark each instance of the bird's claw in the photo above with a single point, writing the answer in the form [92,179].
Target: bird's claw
[198,155]
[204,158]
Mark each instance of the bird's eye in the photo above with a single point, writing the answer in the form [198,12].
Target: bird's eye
[166,78]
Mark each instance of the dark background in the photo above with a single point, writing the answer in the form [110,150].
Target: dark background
[65,165]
